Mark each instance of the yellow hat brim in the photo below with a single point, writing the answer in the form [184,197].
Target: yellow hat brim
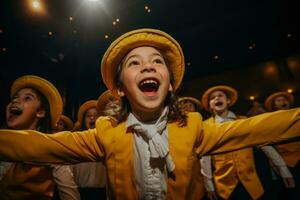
[192,99]
[84,107]
[104,99]
[44,87]
[137,38]
[68,122]
[231,92]
[270,99]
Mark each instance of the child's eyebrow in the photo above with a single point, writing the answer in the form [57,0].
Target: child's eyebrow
[29,94]
[156,54]
[135,55]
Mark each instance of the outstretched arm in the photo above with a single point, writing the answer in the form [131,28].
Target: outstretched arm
[60,148]
[259,130]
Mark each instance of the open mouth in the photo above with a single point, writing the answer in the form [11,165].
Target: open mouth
[15,111]
[149,86]
[92,124]
[219,104]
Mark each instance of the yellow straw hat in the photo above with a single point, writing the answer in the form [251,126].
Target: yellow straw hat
[231,93]
[192,99]
[270,100]
[137,38]
[104,99]
[68,122]
[82,109]
[44,87]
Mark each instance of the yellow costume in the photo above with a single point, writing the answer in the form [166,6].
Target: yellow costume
[232,167]
[115,144]
[24,181]
[290,152]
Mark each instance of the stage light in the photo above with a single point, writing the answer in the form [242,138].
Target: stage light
[290,90]
[216,57]
[36,7]
[36,4]
[251,98]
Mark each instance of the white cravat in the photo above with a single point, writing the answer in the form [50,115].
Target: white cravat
[229,117]
[158,147]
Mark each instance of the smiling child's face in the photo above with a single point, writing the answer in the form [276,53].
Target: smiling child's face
[281,103]
[218,102]
[145,80]
[23,112]
[90,118]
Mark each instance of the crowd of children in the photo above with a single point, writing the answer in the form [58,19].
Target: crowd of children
[138,140]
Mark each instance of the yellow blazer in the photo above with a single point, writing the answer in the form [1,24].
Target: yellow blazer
[27,182]
[290,152]
[115,144]
[232,167]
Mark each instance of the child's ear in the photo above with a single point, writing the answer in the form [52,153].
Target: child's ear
[170,88]
[41,113]
[120,92]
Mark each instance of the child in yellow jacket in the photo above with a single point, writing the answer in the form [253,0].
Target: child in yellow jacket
[150,150]
[234,171]
[289,151]
[37,105]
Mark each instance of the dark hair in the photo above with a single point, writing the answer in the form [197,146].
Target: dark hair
[45,124]
[120,112]
[83,126]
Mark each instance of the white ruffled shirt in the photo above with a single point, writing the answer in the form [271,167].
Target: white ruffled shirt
[151,169]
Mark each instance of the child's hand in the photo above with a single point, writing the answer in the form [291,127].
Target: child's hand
[289,182]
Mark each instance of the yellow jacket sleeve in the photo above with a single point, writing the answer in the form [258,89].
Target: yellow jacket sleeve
[60,148]
[259,130]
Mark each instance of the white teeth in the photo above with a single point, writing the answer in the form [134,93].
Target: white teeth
[148,82]
[15,110]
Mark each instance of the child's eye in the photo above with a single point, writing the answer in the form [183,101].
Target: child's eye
[133,63]
[27,98]
[158,60]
